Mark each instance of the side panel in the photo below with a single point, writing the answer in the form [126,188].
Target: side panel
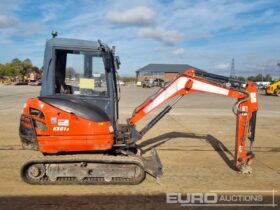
[54,144]
[60,131]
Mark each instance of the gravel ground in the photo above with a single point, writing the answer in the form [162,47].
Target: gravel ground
[188,141]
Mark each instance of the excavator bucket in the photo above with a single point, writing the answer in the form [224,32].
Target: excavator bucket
[153,165]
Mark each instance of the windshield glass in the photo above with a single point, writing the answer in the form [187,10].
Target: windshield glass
[80,73]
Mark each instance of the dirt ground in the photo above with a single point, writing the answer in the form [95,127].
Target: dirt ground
[195,142]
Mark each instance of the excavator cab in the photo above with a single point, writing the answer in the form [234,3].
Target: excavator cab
[82,70]
[77,109]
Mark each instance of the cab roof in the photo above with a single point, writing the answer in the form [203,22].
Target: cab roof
[74,43]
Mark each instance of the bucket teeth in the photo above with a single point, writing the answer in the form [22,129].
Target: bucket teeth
[245,169]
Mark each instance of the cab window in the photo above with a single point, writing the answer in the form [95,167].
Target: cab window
[80,73]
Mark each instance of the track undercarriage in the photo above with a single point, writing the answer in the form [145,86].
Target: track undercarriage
[90,169]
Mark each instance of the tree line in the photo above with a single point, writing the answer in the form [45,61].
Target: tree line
[18,68]
[257,78]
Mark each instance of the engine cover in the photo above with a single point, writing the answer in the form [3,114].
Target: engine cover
[54,126]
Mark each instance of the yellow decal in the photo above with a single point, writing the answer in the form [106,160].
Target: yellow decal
[86,83]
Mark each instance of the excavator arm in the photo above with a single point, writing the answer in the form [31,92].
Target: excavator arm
[245,109]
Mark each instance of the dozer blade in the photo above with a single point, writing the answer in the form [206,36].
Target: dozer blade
[152,165]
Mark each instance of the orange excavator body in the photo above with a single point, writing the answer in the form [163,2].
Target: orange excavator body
[75,116]
[61,131]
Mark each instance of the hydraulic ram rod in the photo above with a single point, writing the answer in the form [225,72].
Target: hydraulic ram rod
[159,116]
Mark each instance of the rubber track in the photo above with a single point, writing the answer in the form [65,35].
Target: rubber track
[88,180]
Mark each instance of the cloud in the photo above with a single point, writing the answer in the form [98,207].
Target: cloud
[178,51]
[210,31]
[160,34]
[51,11]
[7,21]
[32,28]
[135,16]
[262,66]
[222,66]
[203,19]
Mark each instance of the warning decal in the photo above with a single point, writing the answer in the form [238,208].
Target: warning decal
[63,122]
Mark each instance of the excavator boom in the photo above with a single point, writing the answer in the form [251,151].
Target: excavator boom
[245,109]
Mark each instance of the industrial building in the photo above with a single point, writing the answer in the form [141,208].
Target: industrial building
[165,72]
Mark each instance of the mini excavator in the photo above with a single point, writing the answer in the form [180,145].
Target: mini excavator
[74,122]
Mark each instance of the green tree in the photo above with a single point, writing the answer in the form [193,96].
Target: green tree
[267,78]
[17,67]
[259,78]
[26,67]
[240,78]
[10,70]
[16,61]
[2,71]
[251,78]
[27,61]
[70,72]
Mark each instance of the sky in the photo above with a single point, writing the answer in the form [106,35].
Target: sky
[206,34]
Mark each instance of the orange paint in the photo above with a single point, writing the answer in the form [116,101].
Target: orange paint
[73,134]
